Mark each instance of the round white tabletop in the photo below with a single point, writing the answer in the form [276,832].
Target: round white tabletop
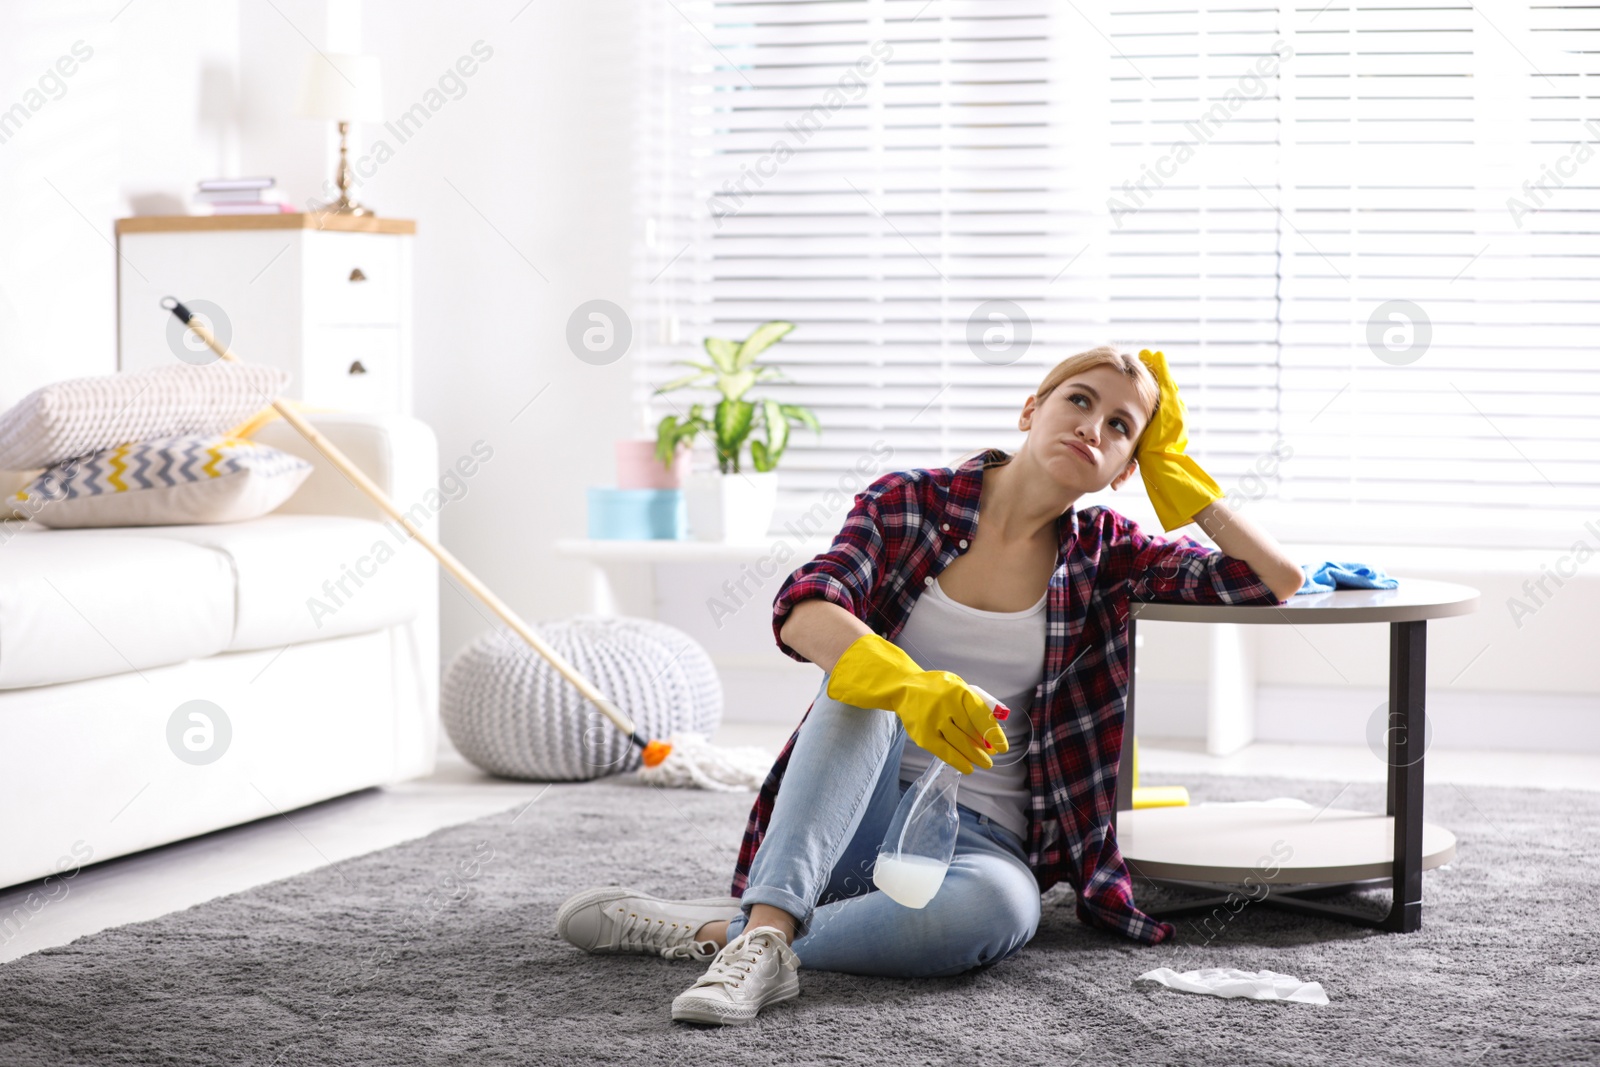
[1414,600]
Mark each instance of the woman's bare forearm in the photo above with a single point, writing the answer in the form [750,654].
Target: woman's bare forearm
[821,630]
[1242,539]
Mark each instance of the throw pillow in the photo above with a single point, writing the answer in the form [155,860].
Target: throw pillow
[188,478]
[80,416]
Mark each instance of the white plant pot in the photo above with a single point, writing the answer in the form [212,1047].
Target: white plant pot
[730,507]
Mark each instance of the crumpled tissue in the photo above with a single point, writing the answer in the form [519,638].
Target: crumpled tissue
[1229,982]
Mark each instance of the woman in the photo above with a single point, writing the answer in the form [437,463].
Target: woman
[1035,612]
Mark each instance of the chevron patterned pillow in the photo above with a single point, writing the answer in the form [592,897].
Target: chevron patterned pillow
[82,415]
[189,478]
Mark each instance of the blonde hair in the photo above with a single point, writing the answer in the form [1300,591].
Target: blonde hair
[1144,383]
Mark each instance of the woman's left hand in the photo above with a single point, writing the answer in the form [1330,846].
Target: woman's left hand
[1177,485]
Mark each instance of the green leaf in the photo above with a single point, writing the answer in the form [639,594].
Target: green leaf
[679,383]
[761,338]
[667,439]
[722,353]
[708,368]
[758,453]
[733,386]
[777,430]
[734,419]
[795,411]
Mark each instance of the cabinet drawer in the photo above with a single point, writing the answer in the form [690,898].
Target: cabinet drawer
[353,278]
[353,368]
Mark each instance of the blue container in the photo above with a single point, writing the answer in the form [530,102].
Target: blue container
[637,514]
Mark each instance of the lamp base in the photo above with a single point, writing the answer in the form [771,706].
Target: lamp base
[342,206]
[341,181]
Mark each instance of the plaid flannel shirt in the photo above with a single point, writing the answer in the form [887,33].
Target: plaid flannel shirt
[909,525]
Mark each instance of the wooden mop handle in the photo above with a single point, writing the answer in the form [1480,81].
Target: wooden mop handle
[450,563]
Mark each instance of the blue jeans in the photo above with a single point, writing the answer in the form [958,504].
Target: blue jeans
[839,793]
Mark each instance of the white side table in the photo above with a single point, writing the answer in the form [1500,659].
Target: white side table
[623,579]
[325,297]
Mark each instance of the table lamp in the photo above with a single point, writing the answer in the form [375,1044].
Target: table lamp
[344,88]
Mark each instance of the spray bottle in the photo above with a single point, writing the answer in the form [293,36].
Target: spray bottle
[921,840]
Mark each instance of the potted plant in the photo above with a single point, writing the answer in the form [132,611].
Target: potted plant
[730,503]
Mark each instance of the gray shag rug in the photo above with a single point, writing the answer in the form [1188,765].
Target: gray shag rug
[443,950]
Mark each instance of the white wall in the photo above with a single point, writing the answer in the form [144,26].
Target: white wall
[127,128]
[521,192]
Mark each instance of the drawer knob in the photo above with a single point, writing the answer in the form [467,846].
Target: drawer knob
[356,275]
[357,368]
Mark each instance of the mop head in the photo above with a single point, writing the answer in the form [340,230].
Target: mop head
[694,762]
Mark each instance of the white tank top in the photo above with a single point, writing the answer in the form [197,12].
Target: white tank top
[1001,652]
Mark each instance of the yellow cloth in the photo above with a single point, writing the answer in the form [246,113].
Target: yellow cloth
[1178,486]
[1160,796]
[941,712]
[1155,796]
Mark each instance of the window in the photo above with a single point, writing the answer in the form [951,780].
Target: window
[1440,342]
[1311,211]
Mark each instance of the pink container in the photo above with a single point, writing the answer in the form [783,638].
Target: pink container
[638,468]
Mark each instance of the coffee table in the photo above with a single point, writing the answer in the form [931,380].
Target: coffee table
[1294,853]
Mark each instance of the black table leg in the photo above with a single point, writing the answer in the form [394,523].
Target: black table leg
[1408,679]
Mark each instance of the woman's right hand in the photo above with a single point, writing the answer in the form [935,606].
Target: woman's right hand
[941,712]
[1177,485]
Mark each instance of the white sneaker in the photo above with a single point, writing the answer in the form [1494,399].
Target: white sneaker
[616,919]
[753,970]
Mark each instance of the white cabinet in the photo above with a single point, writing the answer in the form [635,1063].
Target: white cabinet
[326,298]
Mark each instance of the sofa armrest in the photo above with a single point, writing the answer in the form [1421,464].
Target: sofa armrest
[398,452]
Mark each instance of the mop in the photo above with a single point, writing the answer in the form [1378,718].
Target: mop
[688,759]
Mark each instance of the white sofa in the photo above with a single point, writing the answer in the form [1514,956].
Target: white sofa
[104,633]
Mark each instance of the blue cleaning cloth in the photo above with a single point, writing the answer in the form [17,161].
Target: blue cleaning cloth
[1326,577]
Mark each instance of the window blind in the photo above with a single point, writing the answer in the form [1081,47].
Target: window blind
[875,171]
[1439,345]
[1193,265]
[1312,211]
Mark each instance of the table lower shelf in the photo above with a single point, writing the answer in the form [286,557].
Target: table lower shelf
[1267,844]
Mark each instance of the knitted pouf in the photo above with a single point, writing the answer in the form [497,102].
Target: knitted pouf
[511,713]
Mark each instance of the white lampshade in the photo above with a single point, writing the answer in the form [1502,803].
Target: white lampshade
[341,87]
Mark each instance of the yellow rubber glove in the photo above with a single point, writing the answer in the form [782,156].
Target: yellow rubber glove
[1179,488]
[942,713]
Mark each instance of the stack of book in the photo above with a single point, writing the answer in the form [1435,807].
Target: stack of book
[240,196]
